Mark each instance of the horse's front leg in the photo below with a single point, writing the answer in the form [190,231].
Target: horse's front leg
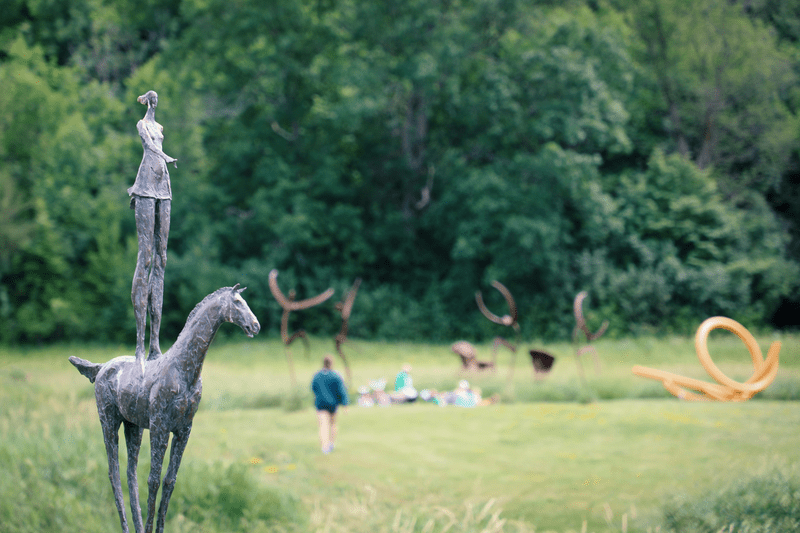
[179,440]
[159,438]
[133,439]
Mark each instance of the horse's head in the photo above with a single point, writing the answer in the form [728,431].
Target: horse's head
[239,313]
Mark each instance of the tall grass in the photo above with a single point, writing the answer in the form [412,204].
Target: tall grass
[768,502]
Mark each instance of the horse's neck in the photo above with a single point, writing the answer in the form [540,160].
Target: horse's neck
[189,351]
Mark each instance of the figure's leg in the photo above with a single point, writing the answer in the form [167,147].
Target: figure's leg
[145,224]
[110,424]
[159,438]
[156,288]
[133,439]
[324,429]
[179,440]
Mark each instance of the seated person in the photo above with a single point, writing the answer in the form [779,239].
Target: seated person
[404,390]
[365,398]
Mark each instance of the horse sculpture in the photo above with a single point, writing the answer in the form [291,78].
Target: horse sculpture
[163,397]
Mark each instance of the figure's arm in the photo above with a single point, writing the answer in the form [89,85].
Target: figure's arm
[148,142]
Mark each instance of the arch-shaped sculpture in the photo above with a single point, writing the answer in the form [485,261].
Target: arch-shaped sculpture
[582,327]
[509,320]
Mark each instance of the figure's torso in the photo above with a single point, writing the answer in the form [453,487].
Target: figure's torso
[152,179]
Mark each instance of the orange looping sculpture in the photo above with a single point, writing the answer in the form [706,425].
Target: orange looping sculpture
[725,389]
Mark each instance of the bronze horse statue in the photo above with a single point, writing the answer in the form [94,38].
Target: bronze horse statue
[162,397]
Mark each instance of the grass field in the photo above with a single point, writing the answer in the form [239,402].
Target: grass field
[554,455]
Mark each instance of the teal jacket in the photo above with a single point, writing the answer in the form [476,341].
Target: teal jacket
[329,390]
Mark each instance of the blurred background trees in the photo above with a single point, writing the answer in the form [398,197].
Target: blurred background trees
[646,151]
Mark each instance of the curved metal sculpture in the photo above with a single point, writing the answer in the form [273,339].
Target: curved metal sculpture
[509,320]
[164,399]
[469,357]
[726,389]
[582,327]
[345,307]
[288,305]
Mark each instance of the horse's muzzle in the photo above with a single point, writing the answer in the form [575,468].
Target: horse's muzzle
[252,329]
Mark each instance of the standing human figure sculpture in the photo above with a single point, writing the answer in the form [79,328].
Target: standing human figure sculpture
[151,197]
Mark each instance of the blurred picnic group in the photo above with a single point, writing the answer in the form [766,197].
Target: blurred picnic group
[463,395]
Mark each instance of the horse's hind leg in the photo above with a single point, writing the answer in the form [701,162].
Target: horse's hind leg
[179,440]
[110,423]
[133,439]
[159,439]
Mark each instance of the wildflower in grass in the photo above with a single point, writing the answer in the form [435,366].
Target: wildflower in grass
[254,460]
[272,469]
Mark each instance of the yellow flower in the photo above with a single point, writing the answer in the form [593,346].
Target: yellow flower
[255,460]
[272,469]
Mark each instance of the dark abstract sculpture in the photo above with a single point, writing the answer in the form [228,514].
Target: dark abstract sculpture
[151,197]
[542,362]
[506,320]
[164,399]
[345,307]
[582,327]
[288,305]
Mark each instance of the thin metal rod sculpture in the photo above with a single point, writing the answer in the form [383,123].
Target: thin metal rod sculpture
[506,320]
[582,327]
[726,389]
[345,307]
[288,305]
[164,399]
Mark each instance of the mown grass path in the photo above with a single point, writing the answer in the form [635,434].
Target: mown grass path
[551,465]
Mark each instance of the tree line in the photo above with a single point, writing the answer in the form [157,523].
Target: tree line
[645,151]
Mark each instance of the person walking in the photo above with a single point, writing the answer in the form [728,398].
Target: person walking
[329,394]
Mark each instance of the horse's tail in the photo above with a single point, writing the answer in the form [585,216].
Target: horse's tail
[86,368]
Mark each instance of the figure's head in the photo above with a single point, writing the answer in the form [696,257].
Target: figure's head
[150,99]
[327,362]
[406,368]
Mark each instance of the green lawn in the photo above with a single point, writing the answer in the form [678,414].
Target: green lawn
[618,446]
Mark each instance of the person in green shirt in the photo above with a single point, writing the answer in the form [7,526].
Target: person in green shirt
[329,394]
[404,385]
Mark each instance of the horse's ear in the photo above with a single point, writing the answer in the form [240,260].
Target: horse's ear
[235,288]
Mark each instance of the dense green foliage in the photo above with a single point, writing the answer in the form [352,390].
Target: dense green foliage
[644,151]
